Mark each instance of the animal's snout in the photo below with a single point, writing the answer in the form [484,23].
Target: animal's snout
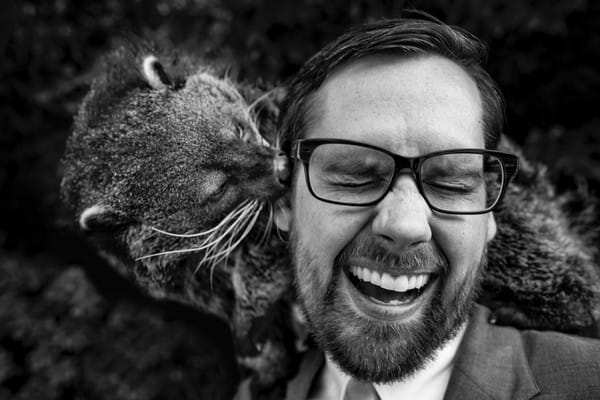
[281,166]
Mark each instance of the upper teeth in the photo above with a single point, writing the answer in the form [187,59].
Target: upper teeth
[401,283]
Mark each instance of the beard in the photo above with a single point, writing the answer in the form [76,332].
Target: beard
[381,351]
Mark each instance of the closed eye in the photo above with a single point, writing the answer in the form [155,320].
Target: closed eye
[456,187]
[354,183]
[219,192]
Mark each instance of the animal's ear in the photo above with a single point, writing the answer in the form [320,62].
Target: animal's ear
[100,218]
[154,73]
[283,214]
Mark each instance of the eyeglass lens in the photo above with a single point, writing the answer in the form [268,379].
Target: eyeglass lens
[455,182]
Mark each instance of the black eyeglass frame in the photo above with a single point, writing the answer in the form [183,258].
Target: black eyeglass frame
[304,148]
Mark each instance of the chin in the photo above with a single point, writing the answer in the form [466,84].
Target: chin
[384,350]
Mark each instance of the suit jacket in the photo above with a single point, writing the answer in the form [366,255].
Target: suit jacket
[495,362]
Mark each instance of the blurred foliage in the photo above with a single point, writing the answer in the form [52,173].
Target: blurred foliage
[60,338]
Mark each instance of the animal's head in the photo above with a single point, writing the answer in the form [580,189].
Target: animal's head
[165,158]
[159,142]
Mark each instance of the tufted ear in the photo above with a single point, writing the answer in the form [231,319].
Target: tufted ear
[155,74]
[100,218]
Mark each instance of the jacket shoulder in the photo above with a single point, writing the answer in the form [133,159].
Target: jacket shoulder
[563,366]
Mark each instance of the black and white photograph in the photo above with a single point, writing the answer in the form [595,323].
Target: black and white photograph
[299,200]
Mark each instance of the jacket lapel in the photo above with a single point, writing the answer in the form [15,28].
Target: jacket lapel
[490,364]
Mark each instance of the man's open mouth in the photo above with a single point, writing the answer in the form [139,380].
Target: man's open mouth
[387,289]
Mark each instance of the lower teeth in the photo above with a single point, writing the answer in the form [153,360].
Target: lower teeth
[392,302]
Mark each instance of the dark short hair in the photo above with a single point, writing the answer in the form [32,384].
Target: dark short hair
[403,37]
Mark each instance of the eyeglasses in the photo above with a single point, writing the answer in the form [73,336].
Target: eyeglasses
[459,181]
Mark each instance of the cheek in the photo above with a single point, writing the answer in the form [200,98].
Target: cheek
[321,230]
[462,240]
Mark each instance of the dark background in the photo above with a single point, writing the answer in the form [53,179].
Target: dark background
[544,54]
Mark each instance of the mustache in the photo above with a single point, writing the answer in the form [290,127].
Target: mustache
[421,257]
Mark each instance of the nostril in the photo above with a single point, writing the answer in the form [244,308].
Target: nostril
[282,168]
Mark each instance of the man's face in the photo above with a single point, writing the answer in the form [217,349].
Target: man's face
[410,106]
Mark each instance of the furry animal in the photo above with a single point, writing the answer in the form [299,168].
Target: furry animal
[167,172]
[543,270]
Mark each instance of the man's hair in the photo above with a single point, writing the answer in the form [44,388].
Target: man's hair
[403,37]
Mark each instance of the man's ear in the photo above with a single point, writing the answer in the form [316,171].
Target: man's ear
[100,218]
[283,214]
[492,227]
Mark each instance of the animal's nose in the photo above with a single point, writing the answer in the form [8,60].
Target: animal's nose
[281,165]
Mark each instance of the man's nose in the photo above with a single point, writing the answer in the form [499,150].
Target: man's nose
[402,216]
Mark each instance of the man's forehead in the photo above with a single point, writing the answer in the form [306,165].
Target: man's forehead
[429,95]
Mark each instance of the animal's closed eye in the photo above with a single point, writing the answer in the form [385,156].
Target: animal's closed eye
[219,192]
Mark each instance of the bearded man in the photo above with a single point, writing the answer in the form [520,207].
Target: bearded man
[393,128]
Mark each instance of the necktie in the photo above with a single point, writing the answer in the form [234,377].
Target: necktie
[358,390]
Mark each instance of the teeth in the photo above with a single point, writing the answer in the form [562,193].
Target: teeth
[366,274]
[387,282]
[412,281]
[401,283]
[375,278]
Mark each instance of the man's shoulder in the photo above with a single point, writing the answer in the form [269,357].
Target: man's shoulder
[502,360]
[552,346]
[556,357]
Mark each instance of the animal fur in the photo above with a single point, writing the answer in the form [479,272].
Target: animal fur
[165,170]
[155,139]
[543,264]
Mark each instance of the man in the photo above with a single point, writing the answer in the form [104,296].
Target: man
[392,127]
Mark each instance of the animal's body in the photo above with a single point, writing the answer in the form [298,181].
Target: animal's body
[543,270]
[167,172]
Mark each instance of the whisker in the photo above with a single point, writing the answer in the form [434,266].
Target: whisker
[219,242]
[222,253]
[216,243]
[209,241]
[233,225]
[181,235]
[165,253]
[203,233]
[268,227]
[232,242]
[228,248]
[258,100]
